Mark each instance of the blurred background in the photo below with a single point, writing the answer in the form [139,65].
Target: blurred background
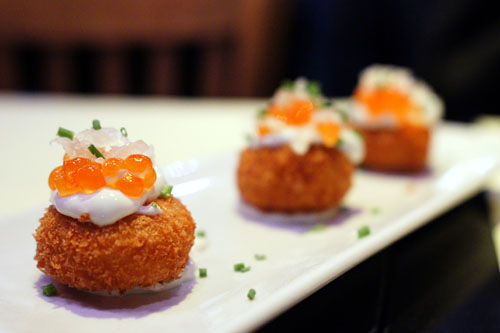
[237,48]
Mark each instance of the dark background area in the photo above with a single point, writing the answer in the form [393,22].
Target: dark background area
[454,45]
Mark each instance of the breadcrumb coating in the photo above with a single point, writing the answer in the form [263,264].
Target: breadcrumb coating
[136,251]
[277,179]
[398,150]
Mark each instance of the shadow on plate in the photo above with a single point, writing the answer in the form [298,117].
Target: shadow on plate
[298,222]
[426,173]
[129,306]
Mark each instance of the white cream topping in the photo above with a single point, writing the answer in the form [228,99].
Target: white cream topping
[301,137]
[401,79]
[298,91]
[359,115]
[108,205]
[150,210]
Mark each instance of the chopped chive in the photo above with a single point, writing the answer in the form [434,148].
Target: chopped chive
[95,151]
[260,257]
[287,84]
[363,231]
[359,133]
[249,138]
[240,267]
[65,133]
[344,116]
[123,130]
[251,294]
[203,272]
[166,191]
[327,103]
[49,290]
[313,88]
[201,234]
[96,124]
[261,113]
[340,142]
[154,205]
[375,210]
[318,227]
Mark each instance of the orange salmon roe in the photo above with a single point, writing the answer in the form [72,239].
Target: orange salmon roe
[149,178]
[71,166]
[386,100]
[130,185]
[83,175]
[298,113]
[263,130]
[329,133]
[90,178]
[111,166]
[57,172]
[138,163]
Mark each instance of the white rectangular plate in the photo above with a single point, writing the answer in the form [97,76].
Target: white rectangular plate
[299,261]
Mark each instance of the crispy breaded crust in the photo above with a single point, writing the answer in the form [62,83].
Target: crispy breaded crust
[138,250]
[403,149]
[277,179]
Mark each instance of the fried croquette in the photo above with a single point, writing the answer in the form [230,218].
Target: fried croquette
[403,149]
[277,179]
[136,251]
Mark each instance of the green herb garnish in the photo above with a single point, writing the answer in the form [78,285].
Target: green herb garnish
[95,151]
[260,257]
[318,227]
[200,234]
[49,290]
[375,210]
[154,205]
[203,272]
[313,88]
[327,103]
[240,267]
[363,231]
[123,131]
[249,138]
[344,116]
[251,294]
[96,124]
[287,84]
[65,133]
[340,142]
[261,113]
[166,191]
[359,133]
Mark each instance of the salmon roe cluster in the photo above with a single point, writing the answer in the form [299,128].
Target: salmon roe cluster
[298,113]
[387,99]
[130,176]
